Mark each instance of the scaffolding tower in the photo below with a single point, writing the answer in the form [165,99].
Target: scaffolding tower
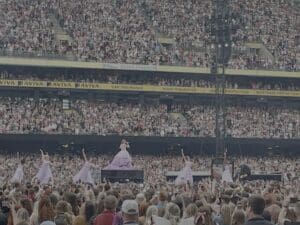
[221,45]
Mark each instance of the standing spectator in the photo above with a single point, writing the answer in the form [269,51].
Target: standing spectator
[189,215]
[27,204]
[107,216]
[45,211]
[142,212]
[22,216]
[274,211]
[162,203]
[256,206]
[204,216]
[63,215]
[226,214]
[130,212]
[86,215]
[238,218]
[173,213]
[70,197]
[151,211]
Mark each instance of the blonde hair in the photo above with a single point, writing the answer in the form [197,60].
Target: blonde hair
[46,211]
[226,214]
[172,213]
[152,210]
[203,216]
[62,207]
[238,217]
[274,210]
[22,215]
[79,220]
[90,196]
[34,214]
[191,210]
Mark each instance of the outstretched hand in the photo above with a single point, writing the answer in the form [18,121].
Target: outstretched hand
[12,204]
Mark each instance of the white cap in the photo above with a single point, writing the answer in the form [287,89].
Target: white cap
[140,197]
[130,207]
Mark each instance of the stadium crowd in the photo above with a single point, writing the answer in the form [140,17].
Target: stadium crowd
[66,166]
[151,32]
[156,202]
[27,115]
[26,27]
[130,31]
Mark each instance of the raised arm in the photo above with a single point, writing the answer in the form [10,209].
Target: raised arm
[43,156]
[83,154]
[13,213]
[183,156]
[225,157]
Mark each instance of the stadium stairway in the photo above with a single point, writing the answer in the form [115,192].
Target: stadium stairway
[162,38]
[263,50]
[61,35]
[179,118]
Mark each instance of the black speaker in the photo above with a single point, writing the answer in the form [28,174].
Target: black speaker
[245,170]
[229,124]
[274,176]
[197,176]
[122,176]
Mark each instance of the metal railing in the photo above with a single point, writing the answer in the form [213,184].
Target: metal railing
[71,57]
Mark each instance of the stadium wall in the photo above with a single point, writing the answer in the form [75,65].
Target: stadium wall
[141,145]
[19,61]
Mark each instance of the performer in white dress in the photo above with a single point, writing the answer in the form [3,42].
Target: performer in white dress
[19,174]
[84,175]
[44,175]
[186,174]
[227,175]
[121,161]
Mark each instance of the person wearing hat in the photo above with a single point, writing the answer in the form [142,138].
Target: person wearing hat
[130,212]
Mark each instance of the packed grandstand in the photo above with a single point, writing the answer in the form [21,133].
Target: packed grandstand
[151,32]
[79,76]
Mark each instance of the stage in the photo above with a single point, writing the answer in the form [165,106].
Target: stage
[121,176]
[197,175]
[137,176]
